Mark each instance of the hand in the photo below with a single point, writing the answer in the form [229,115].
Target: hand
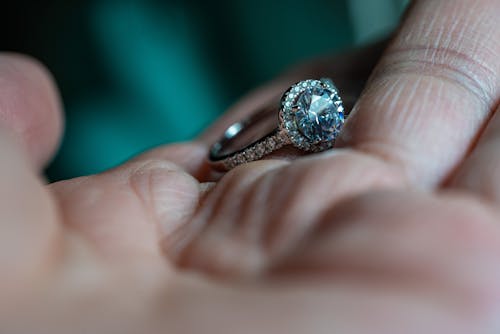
[396,231]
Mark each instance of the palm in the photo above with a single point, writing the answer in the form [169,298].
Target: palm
[395,231]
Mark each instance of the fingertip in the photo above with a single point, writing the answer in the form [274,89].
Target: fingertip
[30,106]
[170,194]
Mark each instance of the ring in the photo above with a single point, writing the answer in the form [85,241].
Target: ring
[309,116]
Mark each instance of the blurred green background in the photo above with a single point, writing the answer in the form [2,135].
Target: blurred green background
[138,73]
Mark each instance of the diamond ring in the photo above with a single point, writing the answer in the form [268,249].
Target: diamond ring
[310,117]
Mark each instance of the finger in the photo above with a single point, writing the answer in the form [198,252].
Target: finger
[124,212]
[480,173]
[29,230]
[29,130]
[259,212]
[433,90]
[405,240]
[30,106]
[406,235]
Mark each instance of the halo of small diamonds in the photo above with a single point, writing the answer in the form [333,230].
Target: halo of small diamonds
[312,114]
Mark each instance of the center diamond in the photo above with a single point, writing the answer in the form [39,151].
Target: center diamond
[318,117]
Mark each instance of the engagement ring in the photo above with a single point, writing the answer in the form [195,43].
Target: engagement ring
[309,116]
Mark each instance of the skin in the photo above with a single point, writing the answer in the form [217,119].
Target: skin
[395,231]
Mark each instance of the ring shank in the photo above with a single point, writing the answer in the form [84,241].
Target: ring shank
[248,140]
[242,135]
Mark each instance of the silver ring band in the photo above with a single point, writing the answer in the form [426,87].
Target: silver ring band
[310,117]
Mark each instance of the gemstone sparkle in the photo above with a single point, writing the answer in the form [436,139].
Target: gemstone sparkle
[318,115]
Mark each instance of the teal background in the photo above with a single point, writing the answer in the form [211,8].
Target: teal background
[135,74]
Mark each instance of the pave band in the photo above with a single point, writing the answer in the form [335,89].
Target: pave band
[255,151]
[310,117]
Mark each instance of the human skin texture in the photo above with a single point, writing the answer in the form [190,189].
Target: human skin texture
[396,230]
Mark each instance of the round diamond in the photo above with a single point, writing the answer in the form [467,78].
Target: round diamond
[317,115]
